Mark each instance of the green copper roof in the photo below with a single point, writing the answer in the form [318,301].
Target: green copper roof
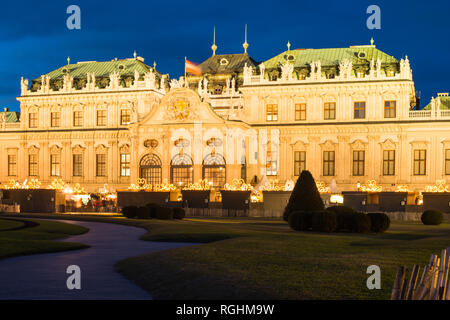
[125,67]
[359,55]
[11,116]
[227,63]
[445,103]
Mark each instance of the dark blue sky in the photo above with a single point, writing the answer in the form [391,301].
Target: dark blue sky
[34,37]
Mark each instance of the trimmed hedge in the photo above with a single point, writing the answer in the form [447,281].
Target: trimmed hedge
[432,217]
[324,221]
[360,223]
[143,213]
[152,207]
[130,211]
[164,213]
[300,220]
[344,217]
[178,213]
[380,222]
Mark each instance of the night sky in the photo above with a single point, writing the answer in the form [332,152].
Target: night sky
[35,39]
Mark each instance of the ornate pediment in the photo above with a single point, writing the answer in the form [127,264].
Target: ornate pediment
[101,148]
[125,148]
[358,145]
[55,149]
[422,144]
[328,145]
[33,150]
[388,144]
[78,149]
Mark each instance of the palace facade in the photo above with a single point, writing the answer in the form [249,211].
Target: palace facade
[345,114]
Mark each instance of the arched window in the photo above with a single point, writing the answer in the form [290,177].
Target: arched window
[214,170]
[150,169]
[181,170]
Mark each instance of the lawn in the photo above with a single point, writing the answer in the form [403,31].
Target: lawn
[256,258]
[17,239]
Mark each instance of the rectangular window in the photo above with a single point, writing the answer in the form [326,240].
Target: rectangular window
[360,110]
[77,118]
[33,120]
[329,111]
[12,165]
[358,163]
[447,161]
[271,164]
[328,163]
[77,165]
[32,165]
[101,117]
[101,165]
[390,109]
[299,162]
[55,119]
[388,162]
[300,111]
[55,165]
[420,161]
[125,164]
[272,112]
[125,116]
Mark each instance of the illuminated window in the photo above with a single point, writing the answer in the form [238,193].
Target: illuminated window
[125,165]
[389,162]
[55,119]
[328,163]
[32,165]
[272,112]
[271,163]
[181,170]
[390,109]
[329,112]
[300,111]
[360,110]
[214,169]
[101,117]
[299,162]
[447,161]
[55,165]
[12,165]
[358,163]
[77,165]
[33,120]
[420,160]
[100,165]
[125,116]
[78,118]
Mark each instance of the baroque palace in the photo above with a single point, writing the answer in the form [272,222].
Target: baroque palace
[345,114]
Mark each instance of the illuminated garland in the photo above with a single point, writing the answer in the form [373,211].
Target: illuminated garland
[439,187]
[371,187]
[57,184]
[321,186]
[238,185]
[27,184]
[402,188]
[199,185]
[143,185]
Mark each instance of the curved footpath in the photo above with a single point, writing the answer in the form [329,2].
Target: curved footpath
[43,276]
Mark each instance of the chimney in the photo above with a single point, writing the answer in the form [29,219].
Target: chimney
[5,109]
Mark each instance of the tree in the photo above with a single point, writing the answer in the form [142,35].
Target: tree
[304,197]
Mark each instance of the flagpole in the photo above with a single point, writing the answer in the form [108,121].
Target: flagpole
[185,79]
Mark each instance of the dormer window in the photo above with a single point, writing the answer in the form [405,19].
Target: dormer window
[360,74]
[218,90]
[223,62]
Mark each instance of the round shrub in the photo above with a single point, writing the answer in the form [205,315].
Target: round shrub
[178,213]
[344,217]
[324,221]
[130,211]
[300,220]
[164,213]
[380,222]
[152,207]
[360,223]
[143,213]
[432,217]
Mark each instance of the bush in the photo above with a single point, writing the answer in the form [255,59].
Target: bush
[300,220]
[344,217]
[324,221]
[380,222]
[143,213]
[152,207]
[130,211]
[164,213]
[360,223]
[304,197]
[432,217]
[178,213]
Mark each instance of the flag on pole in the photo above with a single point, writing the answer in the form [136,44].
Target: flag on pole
[192,68]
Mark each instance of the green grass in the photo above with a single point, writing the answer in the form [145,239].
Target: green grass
[37,239]
[251,258]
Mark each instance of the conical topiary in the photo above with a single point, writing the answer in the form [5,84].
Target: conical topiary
[304,197]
